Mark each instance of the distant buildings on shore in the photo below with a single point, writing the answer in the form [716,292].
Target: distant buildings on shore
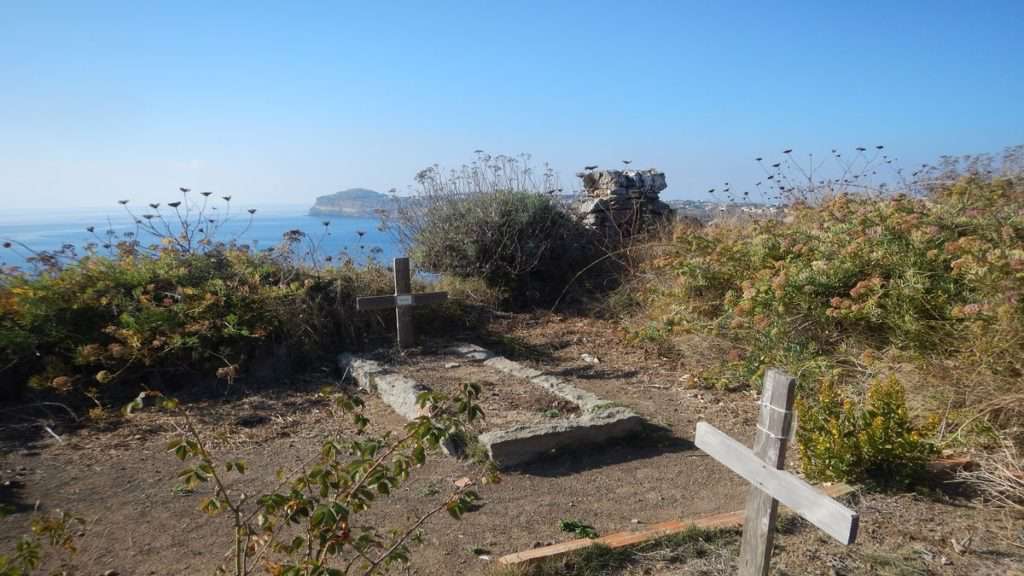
[707,211]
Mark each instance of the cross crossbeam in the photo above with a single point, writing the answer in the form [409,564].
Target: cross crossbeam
[402,301]
[396,301]
[833,518]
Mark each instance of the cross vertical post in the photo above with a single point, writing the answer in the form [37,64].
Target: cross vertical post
[773,429]
[403,287]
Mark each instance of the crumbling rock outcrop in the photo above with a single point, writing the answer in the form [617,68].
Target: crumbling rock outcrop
[623,202]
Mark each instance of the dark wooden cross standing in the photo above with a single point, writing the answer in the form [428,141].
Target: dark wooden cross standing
[762,467]
[402,301]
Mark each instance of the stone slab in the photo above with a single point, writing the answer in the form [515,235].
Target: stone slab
[507,366]
[599,420]
[470,351]
[521,444]
[397,391]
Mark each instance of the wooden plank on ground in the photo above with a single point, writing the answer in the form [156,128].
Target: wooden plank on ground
[832,517]
[652,532]
[949,466]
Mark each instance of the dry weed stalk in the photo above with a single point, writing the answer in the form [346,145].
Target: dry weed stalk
[999,476]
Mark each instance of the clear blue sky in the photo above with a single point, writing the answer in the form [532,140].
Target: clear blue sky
[281,102]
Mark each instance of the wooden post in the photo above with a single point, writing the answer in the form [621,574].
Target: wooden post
[773,429]
[403,289]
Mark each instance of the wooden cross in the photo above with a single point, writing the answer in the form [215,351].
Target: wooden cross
[402,301]
[762,467]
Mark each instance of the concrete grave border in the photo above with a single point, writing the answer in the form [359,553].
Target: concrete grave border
[599,420]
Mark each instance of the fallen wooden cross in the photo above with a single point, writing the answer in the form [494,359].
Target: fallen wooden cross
[941,466]
[651,532]
[402,301]
[762,467]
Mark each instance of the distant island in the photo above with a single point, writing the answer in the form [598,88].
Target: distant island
[360,202]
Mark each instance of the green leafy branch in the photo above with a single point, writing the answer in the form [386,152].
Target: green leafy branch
[58,530]
[306,525]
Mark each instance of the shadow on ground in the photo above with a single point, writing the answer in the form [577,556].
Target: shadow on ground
[594,373]
[650,442]
[11,500]
[516,348]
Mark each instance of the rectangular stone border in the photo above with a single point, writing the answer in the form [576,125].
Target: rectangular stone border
[599,420]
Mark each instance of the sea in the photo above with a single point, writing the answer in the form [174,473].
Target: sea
[30,231]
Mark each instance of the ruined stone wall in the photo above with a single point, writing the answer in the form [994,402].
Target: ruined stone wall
[623,202]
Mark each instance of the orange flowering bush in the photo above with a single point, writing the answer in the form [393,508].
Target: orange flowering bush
[854,289]
[916,274]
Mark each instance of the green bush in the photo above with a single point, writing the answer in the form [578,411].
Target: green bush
[843,440]
[110,325]
[58,530]
[522,244]
[117,314]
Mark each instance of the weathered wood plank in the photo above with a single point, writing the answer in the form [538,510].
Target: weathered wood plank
[403,286]
[832,517]
[390,302]
[654,531]
[429,298]
[770,447]
[375,302]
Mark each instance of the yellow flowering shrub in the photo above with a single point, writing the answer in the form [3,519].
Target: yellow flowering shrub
[841,438]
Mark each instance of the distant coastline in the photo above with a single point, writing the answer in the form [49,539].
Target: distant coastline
[354,202]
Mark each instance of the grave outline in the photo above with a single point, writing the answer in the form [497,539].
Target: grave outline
[598,421]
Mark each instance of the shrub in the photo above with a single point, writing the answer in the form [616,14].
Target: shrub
[520,243]
[577,527]
[102,323]
[58,530]
[934,282]
[843,440]
[493,222]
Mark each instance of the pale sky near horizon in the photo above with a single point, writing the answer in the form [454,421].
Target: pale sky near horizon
[282,102]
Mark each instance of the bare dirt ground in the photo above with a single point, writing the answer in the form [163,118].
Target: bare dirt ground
[505,399]
[122,481]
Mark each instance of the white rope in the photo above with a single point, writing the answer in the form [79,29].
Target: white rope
[776,408]
[771,435]
[782,411]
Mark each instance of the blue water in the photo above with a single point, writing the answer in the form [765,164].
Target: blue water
[358,238]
